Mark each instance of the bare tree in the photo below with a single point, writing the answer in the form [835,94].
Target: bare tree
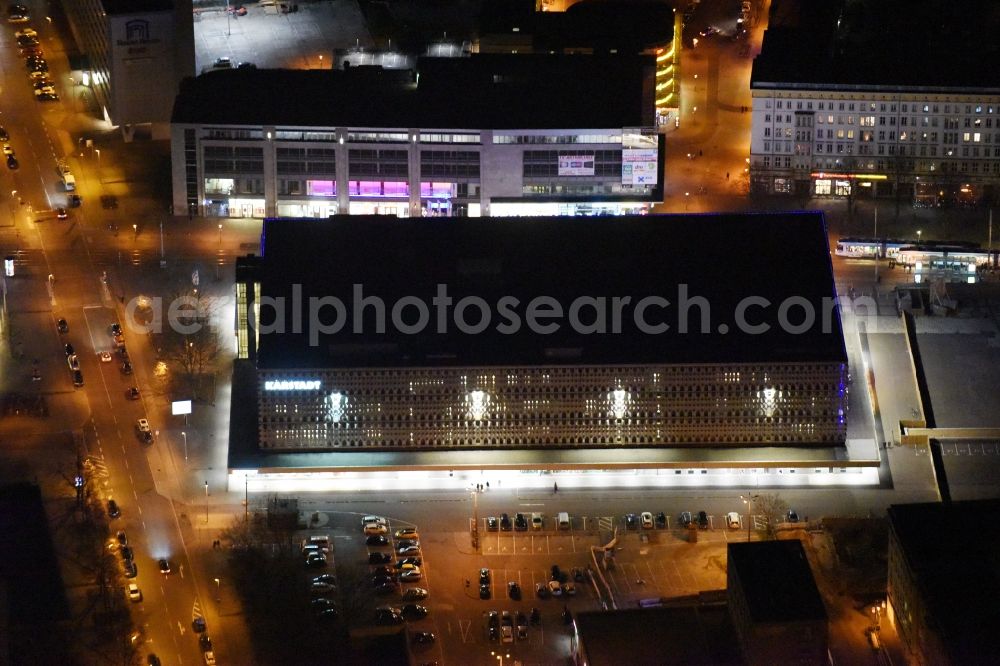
[189,342]
[773,509]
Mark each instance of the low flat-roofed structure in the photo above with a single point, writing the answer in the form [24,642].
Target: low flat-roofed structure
[944,579]
[530,333]
[691,634]
[775,604]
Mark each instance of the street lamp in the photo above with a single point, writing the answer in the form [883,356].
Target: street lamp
[218,590]
[749,499]
[500,657]
[135,230]
[185,436]
[220,236]
[919,233]
[206,502]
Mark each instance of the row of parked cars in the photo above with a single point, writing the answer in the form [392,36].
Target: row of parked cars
[34,60]
[520,522]
[502,626]
[390,569]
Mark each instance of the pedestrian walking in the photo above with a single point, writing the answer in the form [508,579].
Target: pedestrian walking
[555,487]
[487,485]
[727,175]
[700,153]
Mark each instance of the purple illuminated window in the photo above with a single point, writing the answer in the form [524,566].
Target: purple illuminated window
[437,190]
[377,188]
[321,188]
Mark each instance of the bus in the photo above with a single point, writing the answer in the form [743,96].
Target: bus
[888,248]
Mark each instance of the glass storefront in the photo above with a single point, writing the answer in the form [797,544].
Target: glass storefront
[318,209]
[397,208]
[587,208]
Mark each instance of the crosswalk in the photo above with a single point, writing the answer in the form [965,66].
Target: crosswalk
[32,261]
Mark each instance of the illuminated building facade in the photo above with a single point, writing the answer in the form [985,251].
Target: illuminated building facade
[471,368]
[487,135]
[832,118]
[136,53]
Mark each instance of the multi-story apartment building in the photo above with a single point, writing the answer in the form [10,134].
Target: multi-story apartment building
[496,135]
[390,362]
[836,116]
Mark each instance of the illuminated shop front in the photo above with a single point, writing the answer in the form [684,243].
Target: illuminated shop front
[841,184]
[425,158]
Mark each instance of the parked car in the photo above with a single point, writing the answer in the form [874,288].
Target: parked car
[379,558]
[321,587]
[408,550]
[375,528]
[733,520]
[69,349]
[62,326]
[484,591]
[514,590]
[505,523]
[484,576]
[414,594]
[134,593]
[407,533]
[410,575]
[661,520]
[414,611]
[536,521]
[520,522]
[113,510]
[542,590]
[325,578]
[316,560]
[792,516]
[132,393]
[408,561]
[164,565]
[555,588]
[647,520]
[569,589]
[703,520]
[423,637]
[685,518]
[377,540]
[631,521]
[492,524]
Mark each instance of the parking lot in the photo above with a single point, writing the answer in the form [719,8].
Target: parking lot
[648,563]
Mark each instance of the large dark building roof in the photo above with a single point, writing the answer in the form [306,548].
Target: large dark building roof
[486,91]
[624,26]
[935,44]
[777,581]
[690,635]
[721,258]
[953,551]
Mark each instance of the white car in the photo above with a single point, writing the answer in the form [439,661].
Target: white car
[209,658]
[411,574]
[375,528]
[733,520]
[27,32]
[134,593]
[555,588]
[105,357]
[374,519]
[7,149]
[536,521]
[142,425]
[569,588]
[646,518]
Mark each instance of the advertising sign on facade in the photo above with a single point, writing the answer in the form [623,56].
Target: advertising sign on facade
[576,165]
[640,157]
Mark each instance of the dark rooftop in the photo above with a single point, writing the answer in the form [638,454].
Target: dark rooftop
[953,550]
[937,45]
[486,91]
[112,7]
[693,634]
[777,581]
[28,566]
[630,26]
[723,259]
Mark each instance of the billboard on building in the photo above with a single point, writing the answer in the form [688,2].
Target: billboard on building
[640,156]
[576,165]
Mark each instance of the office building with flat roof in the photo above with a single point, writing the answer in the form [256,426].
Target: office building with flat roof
[944,580]
[489,135]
